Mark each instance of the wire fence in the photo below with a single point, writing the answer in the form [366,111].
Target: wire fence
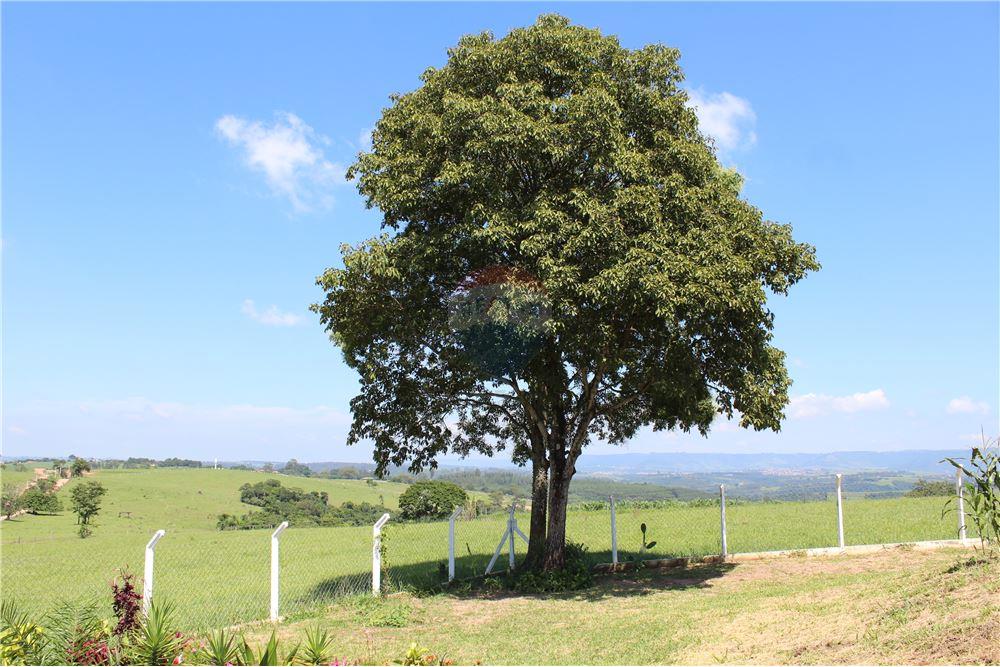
[225,578]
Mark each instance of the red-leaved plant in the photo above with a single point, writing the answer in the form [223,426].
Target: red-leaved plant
[126,603]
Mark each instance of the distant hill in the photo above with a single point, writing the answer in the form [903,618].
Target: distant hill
[912,460]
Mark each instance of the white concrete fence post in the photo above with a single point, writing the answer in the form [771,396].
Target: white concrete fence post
[510,533]
[377,554]
[147,574]
[451,543]
[960,492]
[722,513]
[508,537]
[614,532]
[276,568]
[840,512]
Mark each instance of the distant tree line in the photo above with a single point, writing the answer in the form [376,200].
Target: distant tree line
[134,462]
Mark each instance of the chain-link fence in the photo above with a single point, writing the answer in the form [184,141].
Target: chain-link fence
[223,578]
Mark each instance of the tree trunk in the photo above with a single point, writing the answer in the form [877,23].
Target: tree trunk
[539,502]
[555,540]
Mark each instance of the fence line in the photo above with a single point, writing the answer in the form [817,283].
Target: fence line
[312,566]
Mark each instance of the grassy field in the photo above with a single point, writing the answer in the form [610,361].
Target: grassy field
[892,607]
[220,578]
[20,473]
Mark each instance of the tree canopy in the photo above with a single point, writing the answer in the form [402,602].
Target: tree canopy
[563,259]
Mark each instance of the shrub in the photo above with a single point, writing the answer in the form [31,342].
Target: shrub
[21,640]
[431,499]
[37,501]
[126,603]
[46,484]
[268,655]
[576,574]
[924,489]
[419,655]
[10,501]
[299,508]
[79,467]
[219,649]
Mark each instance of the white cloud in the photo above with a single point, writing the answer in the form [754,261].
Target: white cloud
[144,409]
[963,405]
[814,405]
[728,119]
[271,317]
[290,155]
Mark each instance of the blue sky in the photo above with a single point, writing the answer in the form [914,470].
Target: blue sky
[172,185]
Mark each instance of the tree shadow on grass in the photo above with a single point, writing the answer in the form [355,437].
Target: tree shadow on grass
[431,577]
[646,581]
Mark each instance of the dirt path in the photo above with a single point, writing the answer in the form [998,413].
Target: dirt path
[40,473]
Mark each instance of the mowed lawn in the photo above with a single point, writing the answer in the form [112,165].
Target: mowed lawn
[898,606]
[221,578]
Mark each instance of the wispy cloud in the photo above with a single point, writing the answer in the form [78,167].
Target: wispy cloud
[964,405]
[271,317]
[728,119]
[290,155]
[144,409]
[814,405]
[139,426]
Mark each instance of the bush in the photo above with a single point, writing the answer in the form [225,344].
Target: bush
[79,466]
[10,501]
[297,507]
[430,499]
[37,501]
[576,574]
[924,489]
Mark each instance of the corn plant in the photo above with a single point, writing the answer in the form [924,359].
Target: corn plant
[982,492]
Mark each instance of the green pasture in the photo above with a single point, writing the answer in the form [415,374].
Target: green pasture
[221,578]
[21,472]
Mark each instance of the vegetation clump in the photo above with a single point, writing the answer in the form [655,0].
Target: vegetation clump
[431,500]
[982,492]
[923,488]
[576,574]
[300,508]
[38,501]
[85,500]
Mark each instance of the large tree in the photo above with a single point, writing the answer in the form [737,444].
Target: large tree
[563,260]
